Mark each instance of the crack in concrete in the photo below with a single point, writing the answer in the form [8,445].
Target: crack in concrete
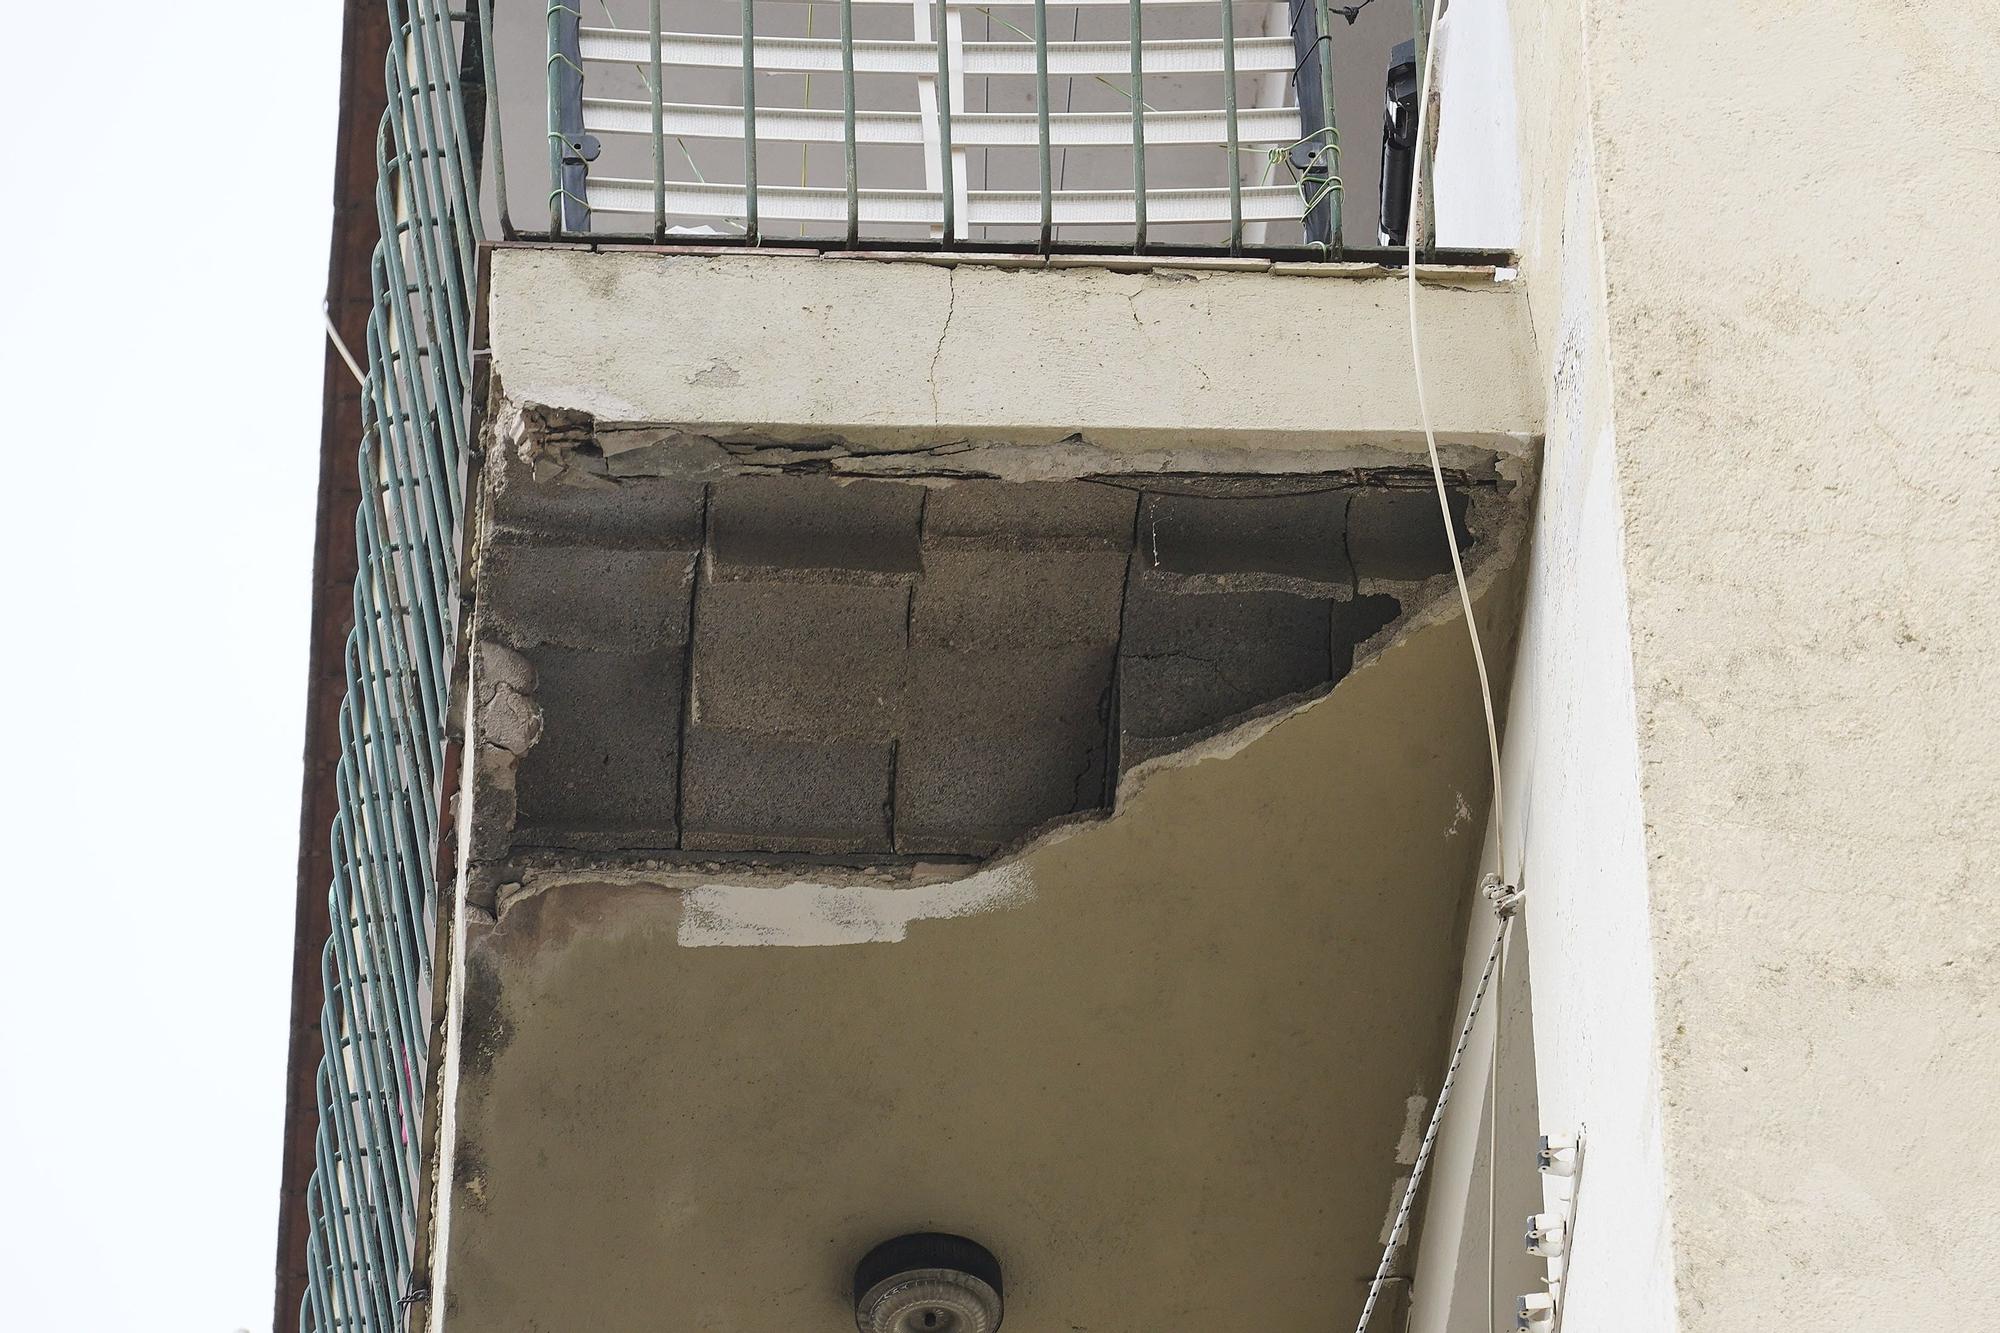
[944,331]
[1132,304]
[687,711]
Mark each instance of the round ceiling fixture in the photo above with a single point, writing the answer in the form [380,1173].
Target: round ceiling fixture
[927,1283]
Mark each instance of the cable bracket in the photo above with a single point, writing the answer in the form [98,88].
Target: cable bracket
[1506,898]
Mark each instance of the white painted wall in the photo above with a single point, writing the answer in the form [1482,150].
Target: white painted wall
[1477,176]
[1796,204]
[1576,843]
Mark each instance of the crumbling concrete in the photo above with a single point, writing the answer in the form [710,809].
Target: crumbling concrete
[788,664]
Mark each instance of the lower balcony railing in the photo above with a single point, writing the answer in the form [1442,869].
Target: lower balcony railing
[1127,124]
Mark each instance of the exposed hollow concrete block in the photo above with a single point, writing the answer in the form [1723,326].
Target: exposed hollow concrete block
[1398,534]
[586,508]
[1008,600]
[996,743]
[1357,621]
[609,750]
[806,523]
[620,599]
[803,660]
[1296,536]
[1029,516]
[750,792]
[1190,660]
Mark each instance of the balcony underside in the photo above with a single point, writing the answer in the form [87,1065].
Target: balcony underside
[1023,839]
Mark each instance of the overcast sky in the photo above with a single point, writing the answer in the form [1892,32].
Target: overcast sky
[168,176]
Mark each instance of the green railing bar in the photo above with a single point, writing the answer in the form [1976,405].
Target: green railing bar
[425,187]
[554,129]
[392,380]
[488,40]
[434,40]
[391,1182]
[341,1160]
[356,1250]
[360,781]
[1138,100]
[439,164]
[1042,120]
[400,379]
[565,84]
[1330,148]
[392,428]
[847,121]
[1229,120]
[749,114]
[949,186]
[361,857]
[659,129]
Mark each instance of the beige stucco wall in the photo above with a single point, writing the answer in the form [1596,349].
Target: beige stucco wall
[1751,753]
[1807,390]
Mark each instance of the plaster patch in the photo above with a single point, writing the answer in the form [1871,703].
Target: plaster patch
[1412,1138]
[804,913]
[1396,1193]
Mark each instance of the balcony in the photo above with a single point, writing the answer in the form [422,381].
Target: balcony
[850,450]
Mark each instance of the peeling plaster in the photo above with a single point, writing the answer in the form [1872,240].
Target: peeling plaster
[802,913]
[574,448]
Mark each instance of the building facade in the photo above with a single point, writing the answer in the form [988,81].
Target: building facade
[920,606]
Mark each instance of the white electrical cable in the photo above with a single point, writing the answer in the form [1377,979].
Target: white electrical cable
[1505,897]
[1430,436]
[1411,235]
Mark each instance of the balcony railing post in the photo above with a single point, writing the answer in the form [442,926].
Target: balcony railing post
[569,151]
[1138,100]
[1042,121]
[1235,165]
[940,33]
[750,223]
[488,41]
[847,122]
[1333,186]
[659,90]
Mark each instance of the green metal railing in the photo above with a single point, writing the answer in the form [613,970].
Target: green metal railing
[1243,120]
[361,1203]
